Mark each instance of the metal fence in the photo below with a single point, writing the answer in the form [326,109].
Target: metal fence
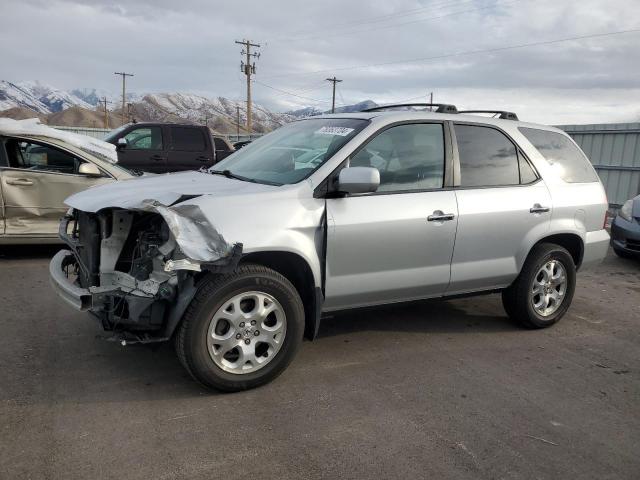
[98,133]
[614,150]
[240,138]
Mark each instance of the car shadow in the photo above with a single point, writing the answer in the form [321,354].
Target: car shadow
[430,316]
[19,252]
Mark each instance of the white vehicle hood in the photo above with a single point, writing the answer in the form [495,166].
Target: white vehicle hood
[165,189]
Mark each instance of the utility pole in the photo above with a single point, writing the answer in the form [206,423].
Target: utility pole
[248,69]
[431,101]
[238,122]
[130,113]
[106,112]
[124,76]
[333,80]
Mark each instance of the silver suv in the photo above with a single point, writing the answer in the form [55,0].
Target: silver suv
[236,264]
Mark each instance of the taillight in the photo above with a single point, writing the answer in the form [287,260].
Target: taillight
[606,217]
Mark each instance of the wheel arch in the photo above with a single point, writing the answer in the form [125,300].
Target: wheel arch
[298,271]
[572,242]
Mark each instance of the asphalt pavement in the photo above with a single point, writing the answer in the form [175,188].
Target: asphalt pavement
[448,389]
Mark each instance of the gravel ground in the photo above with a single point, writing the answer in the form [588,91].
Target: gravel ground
[434,390]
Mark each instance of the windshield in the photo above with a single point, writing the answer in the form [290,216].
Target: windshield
[114,133]
[293,152]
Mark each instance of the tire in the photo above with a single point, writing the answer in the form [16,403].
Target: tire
[525,306]
[214,316]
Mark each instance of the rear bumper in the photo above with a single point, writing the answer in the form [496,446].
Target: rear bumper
[596,245]
[78,297]
[625,236]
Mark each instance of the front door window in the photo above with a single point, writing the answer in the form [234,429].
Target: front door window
[144,138]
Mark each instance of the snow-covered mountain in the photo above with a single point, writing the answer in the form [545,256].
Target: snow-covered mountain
[54,98]
[14,96]
[312,111]
[37,96]
[94,96]
[218,112]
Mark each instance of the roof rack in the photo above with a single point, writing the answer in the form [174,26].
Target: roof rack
[501,113]
[441,107]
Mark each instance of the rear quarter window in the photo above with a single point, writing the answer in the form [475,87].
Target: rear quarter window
[562,154]
[220,144]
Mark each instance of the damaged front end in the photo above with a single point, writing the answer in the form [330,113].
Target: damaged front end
[137,270]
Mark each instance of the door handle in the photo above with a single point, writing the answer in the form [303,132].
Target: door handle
[22,182]
[537,208]
[157,158]
[203,159]
[439,216]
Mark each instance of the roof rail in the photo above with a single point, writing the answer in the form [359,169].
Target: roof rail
[501,113]
[441,107]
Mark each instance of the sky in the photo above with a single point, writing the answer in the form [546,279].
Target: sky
[517,55]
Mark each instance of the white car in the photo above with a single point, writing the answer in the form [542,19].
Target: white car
[39,168]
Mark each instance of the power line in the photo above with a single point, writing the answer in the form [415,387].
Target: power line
[395,25]
[291,93]
[464,53]
[388,16]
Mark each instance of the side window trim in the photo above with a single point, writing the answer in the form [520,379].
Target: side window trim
[4,160]
[523,156]
[519,154]
[322,190]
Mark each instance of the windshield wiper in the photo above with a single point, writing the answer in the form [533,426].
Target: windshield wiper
[230,174]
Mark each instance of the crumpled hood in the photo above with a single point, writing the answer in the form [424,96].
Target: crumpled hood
[162,189]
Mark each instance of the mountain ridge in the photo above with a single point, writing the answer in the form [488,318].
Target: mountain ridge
[83,107]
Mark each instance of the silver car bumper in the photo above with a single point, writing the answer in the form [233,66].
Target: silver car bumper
[595,248]
[78,297]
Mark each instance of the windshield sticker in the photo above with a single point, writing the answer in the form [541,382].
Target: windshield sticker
[341,131]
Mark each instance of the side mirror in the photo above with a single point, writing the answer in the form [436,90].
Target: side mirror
[358,180]
[89,169]
[122,143]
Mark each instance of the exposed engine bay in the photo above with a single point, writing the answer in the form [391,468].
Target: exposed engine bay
[139,276]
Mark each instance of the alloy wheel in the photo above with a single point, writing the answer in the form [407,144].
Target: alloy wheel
[246,332]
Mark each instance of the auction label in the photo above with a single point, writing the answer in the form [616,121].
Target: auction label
[341,131]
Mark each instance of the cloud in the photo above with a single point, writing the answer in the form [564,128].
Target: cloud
[189,46]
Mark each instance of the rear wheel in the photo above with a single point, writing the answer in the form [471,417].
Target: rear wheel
[543,291]
[242,329]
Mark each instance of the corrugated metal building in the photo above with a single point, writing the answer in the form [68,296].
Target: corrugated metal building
[614,150]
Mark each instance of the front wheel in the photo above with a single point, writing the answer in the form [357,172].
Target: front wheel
[543,291]
[242,329]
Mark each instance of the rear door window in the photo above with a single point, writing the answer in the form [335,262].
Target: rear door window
[186,139]
[487,157]
[220,144]
[562,154]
